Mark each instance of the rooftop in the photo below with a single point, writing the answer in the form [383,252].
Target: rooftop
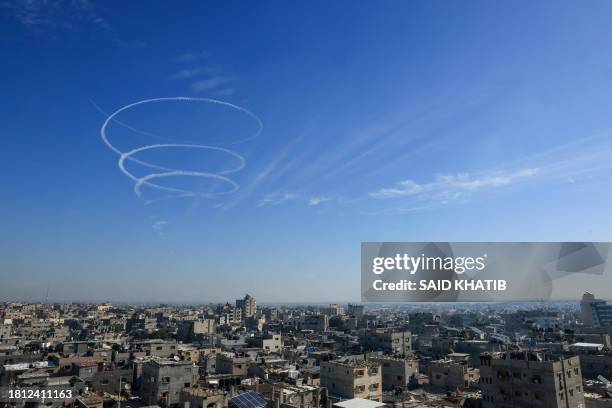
[359,403]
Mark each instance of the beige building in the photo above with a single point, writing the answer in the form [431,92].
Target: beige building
[203,398]
[388,340]
[396,372]
[289,395]
[228,363]
[452,374]
[164,379]
[205,326]
[356,379]
[528,379]
[269,343]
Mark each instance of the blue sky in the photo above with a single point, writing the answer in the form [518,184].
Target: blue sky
[382,121]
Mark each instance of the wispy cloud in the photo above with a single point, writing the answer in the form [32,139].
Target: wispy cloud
[451,186]
[317,200]
[204,85]
[278,198]
[63,15]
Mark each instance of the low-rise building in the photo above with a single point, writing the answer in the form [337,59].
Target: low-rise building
[352,379]
[452,374]
[396,372]
[164,379]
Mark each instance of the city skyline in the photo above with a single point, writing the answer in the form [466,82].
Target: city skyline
[278,137]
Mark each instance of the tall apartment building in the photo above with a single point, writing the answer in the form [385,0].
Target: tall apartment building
[318,323]
[521,379]
[355,311]
[248,305]
[595,312]
[352,379]
[333,310]
[388,340]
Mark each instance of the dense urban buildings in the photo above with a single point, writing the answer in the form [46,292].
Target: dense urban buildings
[249,355]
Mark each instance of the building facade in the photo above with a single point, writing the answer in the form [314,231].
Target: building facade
[520,379]
[355,379]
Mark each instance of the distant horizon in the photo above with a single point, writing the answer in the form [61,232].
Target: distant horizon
[265,303]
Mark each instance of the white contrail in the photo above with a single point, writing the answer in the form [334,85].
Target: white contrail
[176,172]
[145,180]
[172,172]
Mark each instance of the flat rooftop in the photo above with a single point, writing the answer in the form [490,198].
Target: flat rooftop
[359,403]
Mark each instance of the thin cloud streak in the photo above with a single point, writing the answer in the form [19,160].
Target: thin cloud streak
[204,85]
[451,185]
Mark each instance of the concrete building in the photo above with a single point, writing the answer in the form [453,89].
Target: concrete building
[204,326]
[317,323]
[396,372]
[528,379]
[417,321]
[203,398]
[156,348]
[163,381]
[352,379]
[270,343]
[595,312]
[228,363]
[388,340]
[248,305]
[333,310]
[596,364]
[6,329]
[355,311]
[289,395]
[451,374]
